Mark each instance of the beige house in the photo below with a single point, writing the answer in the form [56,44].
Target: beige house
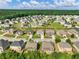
[31,46]
[40,33]
[47,47]
[49,32]
[62,33]
[76,45]
[17,46]
[64,47]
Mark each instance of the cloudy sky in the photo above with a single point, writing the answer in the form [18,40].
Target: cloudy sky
[39,4]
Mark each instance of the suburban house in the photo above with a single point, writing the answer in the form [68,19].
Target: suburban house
[40,33]
[68,25]
[30,34]
[76,45]
[76,20]
[62,33]
[4,44]
[49,32]
[17,45]
[73,31]
[31,46]
[61,21]
[64,47]
[47,47]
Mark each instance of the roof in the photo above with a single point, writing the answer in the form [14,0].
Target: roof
[50,32]
[47,46]
[31,46]
[18,43]
[40,32]
[62,32]
[72,31]
[76,44]
[4,43]
[64,45]
[76,19]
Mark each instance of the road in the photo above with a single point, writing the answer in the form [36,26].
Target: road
[35,40]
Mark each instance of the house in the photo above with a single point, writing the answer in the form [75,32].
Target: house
[40,33]
[17,45]
[68,25]
[30,34]
[73,31]
[49,32]
[8,30]
[18,33]
[64,47]
[61,21]
[76,20]
[47,47]
[62,33]
[4,44]
[76,45]
[31,46]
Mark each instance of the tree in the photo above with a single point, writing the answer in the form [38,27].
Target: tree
[57,40]
[69,41]
[72,36]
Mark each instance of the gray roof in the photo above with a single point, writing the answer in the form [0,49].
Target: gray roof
[76,44]
[76,19]
[73,31]
[18,43]
[50,32]
[64,45]
[39,32]
[4,43]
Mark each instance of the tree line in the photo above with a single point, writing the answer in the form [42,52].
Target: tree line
[20,13]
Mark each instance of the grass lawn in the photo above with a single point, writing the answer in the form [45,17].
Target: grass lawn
[1,32]
[35,36]
[17,25]
[54,25]
[23,36]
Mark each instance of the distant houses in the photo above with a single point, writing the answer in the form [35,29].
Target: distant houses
[45,36]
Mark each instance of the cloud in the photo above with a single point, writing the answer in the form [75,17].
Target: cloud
[68,3]
[35,4]
[5,1]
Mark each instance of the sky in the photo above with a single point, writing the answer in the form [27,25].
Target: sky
[40,4]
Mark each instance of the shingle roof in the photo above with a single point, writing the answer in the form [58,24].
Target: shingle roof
[64,45]
[31,46]
[18,43]
[47,46]
[4,43]
[50,32]
[76,44]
